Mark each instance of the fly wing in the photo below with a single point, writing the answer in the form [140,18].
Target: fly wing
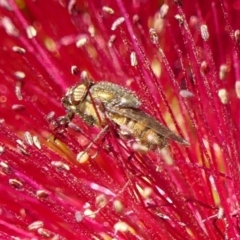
[138,115]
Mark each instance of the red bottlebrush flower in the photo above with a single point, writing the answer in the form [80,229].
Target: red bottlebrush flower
[181,59]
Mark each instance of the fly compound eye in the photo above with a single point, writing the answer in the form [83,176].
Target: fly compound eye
[77,94]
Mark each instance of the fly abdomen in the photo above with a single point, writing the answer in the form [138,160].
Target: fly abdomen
[137,127]
[145,135]
[152,140]
[139,130]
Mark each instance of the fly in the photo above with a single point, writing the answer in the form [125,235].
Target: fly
[97,103]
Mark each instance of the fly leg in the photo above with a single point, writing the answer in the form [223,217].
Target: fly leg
[79,156]
[64,120]
[59,123]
